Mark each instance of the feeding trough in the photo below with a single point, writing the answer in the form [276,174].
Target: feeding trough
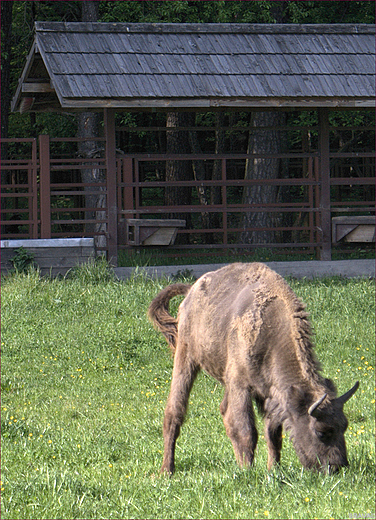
[149,232]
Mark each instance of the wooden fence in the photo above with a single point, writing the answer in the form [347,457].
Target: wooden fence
[43,195]
[142,196]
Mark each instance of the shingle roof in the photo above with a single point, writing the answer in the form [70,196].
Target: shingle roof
[94,65]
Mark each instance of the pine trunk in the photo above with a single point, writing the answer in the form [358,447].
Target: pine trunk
[258,225]
[88,128]
[178,143]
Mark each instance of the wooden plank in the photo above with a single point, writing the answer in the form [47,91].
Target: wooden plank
[110,154]
[361,234]
[165,28]
[37,87]
[162,237]
[169,222]
[58,254]
[45,188]
[46,258]
[309,103]
[355,228]
[325,224]
[44,243]
[355,219]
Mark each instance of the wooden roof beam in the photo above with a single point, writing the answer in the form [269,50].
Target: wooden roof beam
[220,103]
[39,86]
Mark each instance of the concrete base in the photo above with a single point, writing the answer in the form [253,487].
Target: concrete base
[309,269]
[53,256]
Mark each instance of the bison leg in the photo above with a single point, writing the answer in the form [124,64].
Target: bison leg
[239,420]
[183,377]
[273,436]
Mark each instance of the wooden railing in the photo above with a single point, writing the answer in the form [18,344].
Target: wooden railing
[43,196]
[134,201]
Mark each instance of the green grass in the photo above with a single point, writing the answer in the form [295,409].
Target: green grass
[84,382]
[149,256]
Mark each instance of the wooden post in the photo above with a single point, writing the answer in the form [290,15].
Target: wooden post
[109,128]
[224,201]
[33,186]
[45,186]
[326,228]
[128,178]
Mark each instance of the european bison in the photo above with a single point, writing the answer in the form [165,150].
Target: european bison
[245,327]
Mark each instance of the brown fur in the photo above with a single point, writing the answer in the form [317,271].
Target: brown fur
[159,314]
[245,327]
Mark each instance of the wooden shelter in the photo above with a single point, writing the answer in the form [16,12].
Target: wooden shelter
[151,66]
[113,67]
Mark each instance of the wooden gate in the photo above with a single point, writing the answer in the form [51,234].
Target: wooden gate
[142,188]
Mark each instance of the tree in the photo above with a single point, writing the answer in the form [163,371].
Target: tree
[264,140]
[177,142]
[88,128]
[6,54]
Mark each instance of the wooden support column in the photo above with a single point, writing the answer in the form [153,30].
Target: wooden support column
[109,128]
[128,191]
[45,186]
[33,186]
[224,201]
[326,228]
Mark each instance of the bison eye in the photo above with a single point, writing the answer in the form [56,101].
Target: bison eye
[324,436]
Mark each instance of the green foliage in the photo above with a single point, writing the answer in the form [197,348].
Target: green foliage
[96,270]
[238,12]
[85,379]
[60,125]
[23,260]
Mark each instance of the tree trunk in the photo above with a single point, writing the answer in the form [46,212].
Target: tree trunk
[264,142]
[6,47]
[199,175]
[267,141]
[178,143]
[87,128]
[216,191]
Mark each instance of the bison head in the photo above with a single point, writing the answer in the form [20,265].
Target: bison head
[317,430]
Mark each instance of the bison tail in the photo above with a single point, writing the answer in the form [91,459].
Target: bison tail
[159,315]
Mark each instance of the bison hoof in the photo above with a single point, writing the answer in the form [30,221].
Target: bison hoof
[167,471]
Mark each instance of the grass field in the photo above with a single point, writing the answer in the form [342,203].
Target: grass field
[84,382]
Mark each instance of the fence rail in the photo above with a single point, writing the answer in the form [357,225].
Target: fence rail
[44,195]
[228,233]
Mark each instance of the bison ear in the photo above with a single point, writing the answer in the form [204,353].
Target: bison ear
[298,399]
[330,386]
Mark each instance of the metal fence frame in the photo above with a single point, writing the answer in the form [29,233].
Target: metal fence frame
[122,188]
[130,207]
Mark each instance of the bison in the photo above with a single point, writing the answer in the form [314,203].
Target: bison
[245,326]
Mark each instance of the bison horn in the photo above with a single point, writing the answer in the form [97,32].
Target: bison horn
[312,409]
[345,397]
